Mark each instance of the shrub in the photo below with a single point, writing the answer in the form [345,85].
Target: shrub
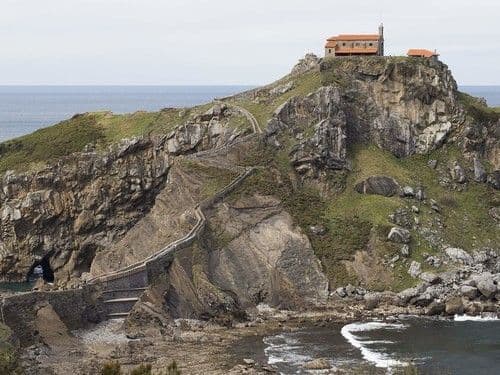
[111,368]
[142,370]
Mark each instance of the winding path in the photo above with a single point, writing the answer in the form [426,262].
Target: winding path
[123,288]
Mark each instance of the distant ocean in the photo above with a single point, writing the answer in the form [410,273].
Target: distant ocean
[24,109]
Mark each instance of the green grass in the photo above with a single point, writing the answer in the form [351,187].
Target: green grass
[8,354]
[353,220]
[477,110]
[215,179]
[50,143]
[100,128]
[263,108]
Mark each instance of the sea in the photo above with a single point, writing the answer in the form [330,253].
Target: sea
[24,109]
[407,345]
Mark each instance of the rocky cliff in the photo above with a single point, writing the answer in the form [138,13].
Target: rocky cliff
[367,167]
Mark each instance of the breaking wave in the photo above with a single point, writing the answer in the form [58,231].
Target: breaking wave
[379,359]
[469,318]
[283,348]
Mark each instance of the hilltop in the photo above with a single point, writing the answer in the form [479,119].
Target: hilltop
[374,165]
[372,175]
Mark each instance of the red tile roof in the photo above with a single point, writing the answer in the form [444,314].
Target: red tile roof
[354,37]
[416,52]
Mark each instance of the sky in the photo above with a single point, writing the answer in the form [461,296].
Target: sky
[228,42]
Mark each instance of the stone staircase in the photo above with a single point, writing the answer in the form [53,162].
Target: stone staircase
[119,302]
[122,289]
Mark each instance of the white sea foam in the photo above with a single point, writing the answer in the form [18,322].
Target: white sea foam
[284,349]
[469,318]
[377,358]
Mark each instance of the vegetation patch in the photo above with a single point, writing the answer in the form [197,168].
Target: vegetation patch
[99,129]
[263,107]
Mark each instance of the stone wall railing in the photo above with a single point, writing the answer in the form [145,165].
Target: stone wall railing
[147,269]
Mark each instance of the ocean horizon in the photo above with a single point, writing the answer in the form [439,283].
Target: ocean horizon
[24,109]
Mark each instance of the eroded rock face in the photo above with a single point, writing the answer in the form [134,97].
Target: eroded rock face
[69,211]
[251,253]
[321,111]
[402,107]
[268,259]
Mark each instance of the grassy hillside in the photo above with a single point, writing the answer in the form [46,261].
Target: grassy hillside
[100,128]
[356,222]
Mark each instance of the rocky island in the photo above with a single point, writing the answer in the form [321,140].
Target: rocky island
[352,187]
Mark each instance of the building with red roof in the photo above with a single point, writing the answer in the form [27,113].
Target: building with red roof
[356,44]
[418,52]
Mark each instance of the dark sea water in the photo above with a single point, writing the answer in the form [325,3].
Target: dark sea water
[490,93]
[24,109]
[433,346]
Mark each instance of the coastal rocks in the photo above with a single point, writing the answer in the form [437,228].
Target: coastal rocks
[378,185]
[399,235]
[454,306]
[458,255]
[265,259]
[468,291]
[318,364]
[436,308]
[486,284]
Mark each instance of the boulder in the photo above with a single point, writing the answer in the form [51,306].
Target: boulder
[479,172]
[407,191]
[494,180]
[420,194]
[406,295]
[454,306]
[430,277]
[405,251]
[402,218]
[399,235]
[341,292]
[372,300]
[458,255]
[414,269]
[486,284]
[458,173]
[436,308]
[432,163]
[468,291]
[318,230]
[318,364]
[378,185]
[495,213]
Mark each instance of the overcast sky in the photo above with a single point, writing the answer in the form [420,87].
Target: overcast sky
[186,42]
